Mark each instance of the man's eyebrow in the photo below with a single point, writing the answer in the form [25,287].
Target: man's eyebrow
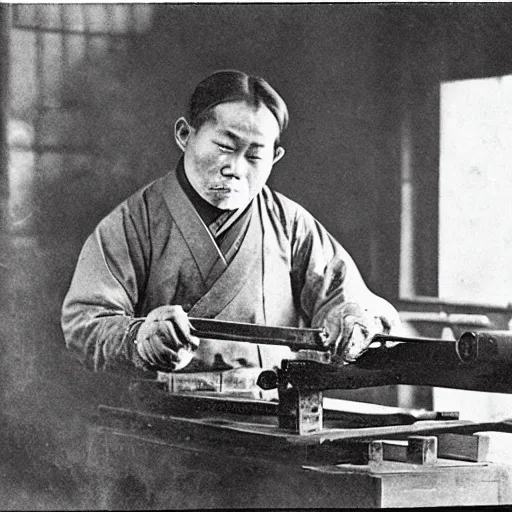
[234,137]
[231,135]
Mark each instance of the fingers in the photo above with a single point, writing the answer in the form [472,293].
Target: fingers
[153,351]
[164,339]
[350,335]
[354,340]
[177,326]
[184,358]
[357,343]
[169,335]
[386,313]
[359,332]
[334,330]
[339,329]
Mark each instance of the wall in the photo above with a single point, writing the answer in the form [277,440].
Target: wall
[94,91]
[57,177]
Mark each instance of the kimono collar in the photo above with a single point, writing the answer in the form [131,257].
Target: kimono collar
[207,211]
[229,278]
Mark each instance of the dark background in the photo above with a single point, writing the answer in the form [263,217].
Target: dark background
[88,106]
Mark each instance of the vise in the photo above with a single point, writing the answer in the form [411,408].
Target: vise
[480,361]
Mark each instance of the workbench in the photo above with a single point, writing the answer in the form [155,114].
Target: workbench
[194,440]
[206,459]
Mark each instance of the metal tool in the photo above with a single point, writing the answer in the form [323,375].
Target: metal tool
[383,338]
[294,337]
[483,346]
[471,347]
[464,364]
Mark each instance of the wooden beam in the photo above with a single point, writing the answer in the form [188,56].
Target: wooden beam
[472,448]
[420,450]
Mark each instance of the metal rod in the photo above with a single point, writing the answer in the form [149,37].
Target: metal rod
[382,338]
[293,337]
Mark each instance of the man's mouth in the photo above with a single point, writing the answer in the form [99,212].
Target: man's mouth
[222,188]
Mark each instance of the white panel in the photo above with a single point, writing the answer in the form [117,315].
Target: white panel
[475,209]
[475,244]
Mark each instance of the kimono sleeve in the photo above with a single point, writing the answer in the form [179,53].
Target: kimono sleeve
[326,277]
[98,313]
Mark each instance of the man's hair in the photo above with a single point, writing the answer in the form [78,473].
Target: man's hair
[231,85]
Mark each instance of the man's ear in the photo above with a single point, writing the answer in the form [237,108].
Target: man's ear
[182,132]
[278,154]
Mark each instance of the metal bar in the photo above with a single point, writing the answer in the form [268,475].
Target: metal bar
[297,338]
[422,303]
[293,337]
[382,338]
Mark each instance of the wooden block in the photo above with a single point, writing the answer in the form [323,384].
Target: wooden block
[300,411]
[472,448]
[310,412]
[376,452]
[422,450]
[387,450]
[416,450]
[201,381]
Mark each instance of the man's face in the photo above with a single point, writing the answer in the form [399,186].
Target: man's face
[230,157]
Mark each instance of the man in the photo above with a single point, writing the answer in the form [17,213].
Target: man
[211,240]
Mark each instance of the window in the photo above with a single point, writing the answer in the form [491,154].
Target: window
[49,142]
[475,191]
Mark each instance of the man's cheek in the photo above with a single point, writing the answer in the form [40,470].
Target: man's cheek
[209,166]
[256,182]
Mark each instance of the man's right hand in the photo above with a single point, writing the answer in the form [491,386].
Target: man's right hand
[164,339]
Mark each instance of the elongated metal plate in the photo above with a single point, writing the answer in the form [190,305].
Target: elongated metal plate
[382,338]
[294,337]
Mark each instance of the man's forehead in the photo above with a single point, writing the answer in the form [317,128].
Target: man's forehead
[239,119]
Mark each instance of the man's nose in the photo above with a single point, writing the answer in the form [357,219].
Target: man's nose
[232,167]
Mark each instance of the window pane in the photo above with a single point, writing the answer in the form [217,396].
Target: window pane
[50,16]
[25,15]
[121,18]
[73,15]
[23,76]
[51,69]
[475,232]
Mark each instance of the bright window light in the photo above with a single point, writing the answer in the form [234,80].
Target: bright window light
[475,196]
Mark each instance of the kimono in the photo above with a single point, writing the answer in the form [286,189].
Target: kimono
[282,268]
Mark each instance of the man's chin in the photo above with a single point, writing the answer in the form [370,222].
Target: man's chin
[232,204]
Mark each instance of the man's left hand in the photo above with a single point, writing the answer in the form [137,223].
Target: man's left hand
[350,335]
